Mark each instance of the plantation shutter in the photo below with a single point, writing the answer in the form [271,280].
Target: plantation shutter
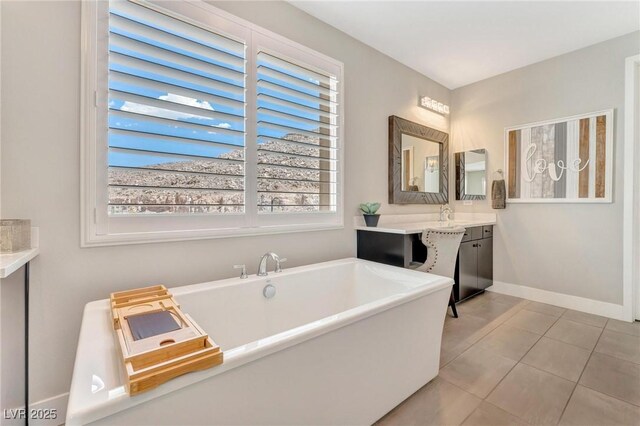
[176,119]
[297,136]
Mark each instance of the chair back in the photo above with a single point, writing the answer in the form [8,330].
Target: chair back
[442,250]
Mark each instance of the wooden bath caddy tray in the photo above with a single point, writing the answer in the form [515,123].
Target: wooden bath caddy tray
[157,340]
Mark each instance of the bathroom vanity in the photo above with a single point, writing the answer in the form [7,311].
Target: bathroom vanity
[474,267]
[398,243]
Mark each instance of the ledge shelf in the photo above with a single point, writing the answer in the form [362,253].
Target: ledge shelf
[11,262]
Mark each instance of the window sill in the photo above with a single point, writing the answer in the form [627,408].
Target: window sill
[200,234]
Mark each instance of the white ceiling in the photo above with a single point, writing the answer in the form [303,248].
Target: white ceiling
[457,43]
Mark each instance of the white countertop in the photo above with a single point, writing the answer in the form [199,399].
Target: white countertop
[11,262]
[415,224]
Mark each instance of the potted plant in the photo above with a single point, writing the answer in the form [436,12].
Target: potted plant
[369,213]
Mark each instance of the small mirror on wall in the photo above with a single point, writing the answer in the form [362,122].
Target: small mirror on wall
[471,174]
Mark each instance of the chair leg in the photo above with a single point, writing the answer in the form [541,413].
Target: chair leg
[452,303]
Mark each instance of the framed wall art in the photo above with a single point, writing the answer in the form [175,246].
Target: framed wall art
[566,160]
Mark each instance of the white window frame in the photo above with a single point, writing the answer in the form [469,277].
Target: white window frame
[100,229]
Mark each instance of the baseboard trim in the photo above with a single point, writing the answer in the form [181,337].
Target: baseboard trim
[590,306]
[57,403]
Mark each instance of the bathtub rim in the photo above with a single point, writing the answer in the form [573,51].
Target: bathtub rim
[84,407]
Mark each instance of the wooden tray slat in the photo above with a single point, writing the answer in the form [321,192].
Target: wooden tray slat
[156,378]
[139,291]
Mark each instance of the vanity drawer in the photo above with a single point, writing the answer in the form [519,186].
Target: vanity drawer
[472,233]
[487,231]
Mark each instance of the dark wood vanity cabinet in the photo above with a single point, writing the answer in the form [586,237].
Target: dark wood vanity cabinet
[466,271]
[390,248]
[474,267]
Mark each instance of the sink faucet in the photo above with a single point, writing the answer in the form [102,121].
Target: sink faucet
[445,213]
[262,268]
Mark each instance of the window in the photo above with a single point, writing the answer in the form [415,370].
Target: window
[296,137]
[198,124]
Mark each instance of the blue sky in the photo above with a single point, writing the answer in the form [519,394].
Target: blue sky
[223,95]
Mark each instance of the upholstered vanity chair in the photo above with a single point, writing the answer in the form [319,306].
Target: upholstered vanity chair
[442,251]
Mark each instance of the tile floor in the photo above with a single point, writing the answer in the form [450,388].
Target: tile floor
[508,361]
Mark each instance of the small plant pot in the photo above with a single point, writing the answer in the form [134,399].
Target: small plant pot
[371,219]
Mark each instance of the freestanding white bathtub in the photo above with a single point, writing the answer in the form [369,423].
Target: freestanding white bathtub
[341,342]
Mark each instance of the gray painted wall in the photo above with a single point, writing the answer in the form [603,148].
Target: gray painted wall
[573,249]
[41,179]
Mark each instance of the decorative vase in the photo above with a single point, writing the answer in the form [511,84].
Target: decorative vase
[371,219]
[15,235]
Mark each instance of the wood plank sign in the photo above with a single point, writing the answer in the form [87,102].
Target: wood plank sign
[566,160]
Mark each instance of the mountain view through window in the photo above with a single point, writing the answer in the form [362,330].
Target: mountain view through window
[177,122]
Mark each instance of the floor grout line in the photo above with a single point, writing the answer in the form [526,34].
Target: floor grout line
[571,344]
[511,369]
[623,332]
[615,357]
[610,396]
[611,355]
[471,413]
[600,391]
[515,311]
[466,391]
[582,323]
[514,366]
[581,373]
[545,371]
[521,306]
[585,323]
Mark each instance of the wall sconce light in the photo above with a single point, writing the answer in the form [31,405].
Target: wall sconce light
[432,164]
[433,105]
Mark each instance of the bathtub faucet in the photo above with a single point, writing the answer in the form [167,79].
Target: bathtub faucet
[262,268]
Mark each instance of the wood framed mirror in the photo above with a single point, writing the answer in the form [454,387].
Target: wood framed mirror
[418,163]
[471,174]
